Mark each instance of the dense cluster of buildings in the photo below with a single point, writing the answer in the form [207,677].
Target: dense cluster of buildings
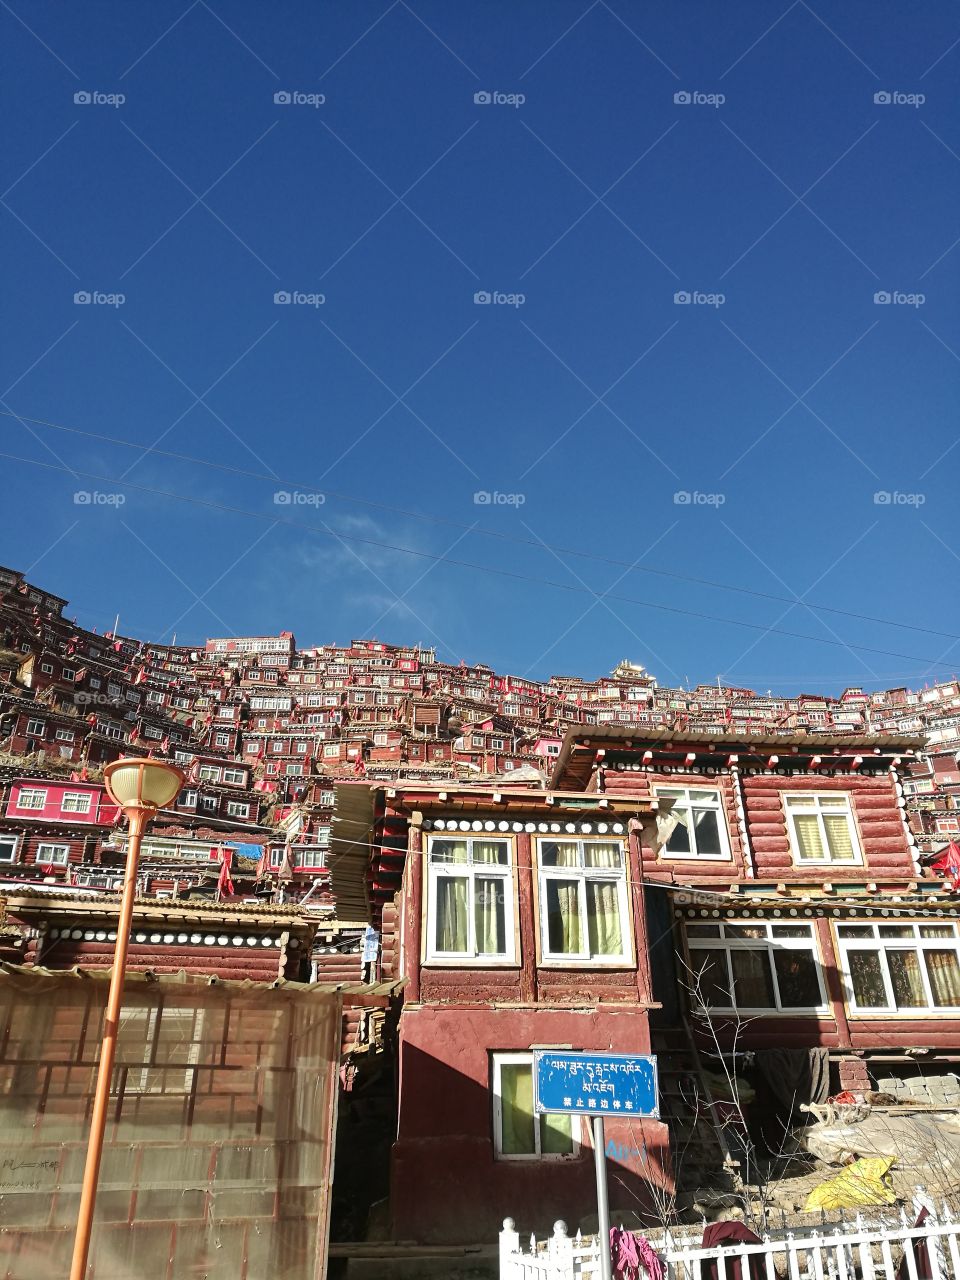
[561,863]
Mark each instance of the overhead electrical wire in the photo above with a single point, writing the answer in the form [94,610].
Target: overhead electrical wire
[490,570]
[536,543]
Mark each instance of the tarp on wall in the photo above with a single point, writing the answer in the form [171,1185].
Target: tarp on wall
[218,1149]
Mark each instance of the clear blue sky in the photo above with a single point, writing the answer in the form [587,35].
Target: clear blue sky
[585,187]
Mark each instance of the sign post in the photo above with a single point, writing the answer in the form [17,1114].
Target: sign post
[596,1085]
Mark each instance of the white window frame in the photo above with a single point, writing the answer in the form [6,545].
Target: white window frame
[236,777]
[188,799]
[237,809]
[811,802]
[498,1062]
[581,874]
[36,729]
[8,846]
[148,1078]
[684,801]
[208,773]
[880,945]
[469,870]
[81,802]
[770,943]
[57,855]
[65,735]
[35,794]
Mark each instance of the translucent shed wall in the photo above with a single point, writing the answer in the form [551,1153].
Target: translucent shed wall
[217,1153]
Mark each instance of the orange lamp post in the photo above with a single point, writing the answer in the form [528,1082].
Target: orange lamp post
[140,787]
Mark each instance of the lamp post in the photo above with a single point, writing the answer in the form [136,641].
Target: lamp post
[140,787]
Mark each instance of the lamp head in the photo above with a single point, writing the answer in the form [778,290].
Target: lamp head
[143,783]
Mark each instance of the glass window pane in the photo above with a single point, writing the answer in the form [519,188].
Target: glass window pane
[703,931]
[491,852]
[559,853]
[839,839]
[944,974]
[866,978]
[564,932]
[809,845]
[709,977]
[490,915]
[752,981]
[556,1135]
[602,855]
[791,930]
[603,918]
[711,797]
[707,829]
[905,979]
[451,924]
[833,802]
[855,931]
[895,930]
[796,972]
[679,841]
[745,930]
[448,851]
[516,1103]
[937,931]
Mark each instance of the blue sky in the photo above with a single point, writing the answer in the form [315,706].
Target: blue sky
[587,166]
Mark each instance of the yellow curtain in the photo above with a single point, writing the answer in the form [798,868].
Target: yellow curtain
[564,928]
[944,974]
[838,837]
[452,931]
[516,1100]
[490,915]
[493,852]
[603,919]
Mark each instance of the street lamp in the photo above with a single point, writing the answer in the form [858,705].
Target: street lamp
[140,787]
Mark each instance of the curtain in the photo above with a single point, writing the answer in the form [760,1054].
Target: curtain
[558,853]
[516,1103]
[797,978]
[752,982]
[490,852]
[944,974]
[602,855]
[452,931]
[838,837]
[489,915]
[866,977]
[603,918]
[908,992]
[809,844]
[448,851]
[564,931]
[709,979]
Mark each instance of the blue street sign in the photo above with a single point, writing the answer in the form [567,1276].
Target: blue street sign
[598,1084]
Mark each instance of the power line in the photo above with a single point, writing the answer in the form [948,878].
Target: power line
[326,531]
[536,543]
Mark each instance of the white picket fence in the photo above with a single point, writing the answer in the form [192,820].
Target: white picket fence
[881,1246]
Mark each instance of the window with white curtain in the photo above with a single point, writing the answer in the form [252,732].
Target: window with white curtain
[821,828]
[470,900]
[695,826]
[583,900]
[899,966]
